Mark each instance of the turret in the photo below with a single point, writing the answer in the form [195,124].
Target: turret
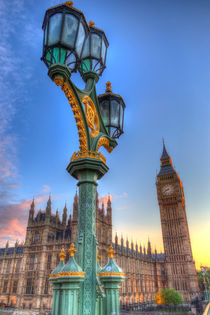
[137,249]
[144,251]
[132,246]
[122,244]
[48,208]
[149,250]
[64,217]
[75,207]
[103,211]
[116,241]
[57,217]
[109,210]
[31,211]
[140,250]
[127,245]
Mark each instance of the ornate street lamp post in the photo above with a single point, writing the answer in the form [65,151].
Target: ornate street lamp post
[71,45]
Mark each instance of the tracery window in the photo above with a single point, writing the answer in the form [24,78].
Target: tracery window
[17,267]
[5,286]
[49,260]
[8,266]
[37,237]
[30,286]
[15,284]
[46,286]
[31,262]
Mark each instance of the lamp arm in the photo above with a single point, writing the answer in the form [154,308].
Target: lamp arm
[85,107]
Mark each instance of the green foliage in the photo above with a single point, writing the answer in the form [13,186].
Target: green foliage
[204,279]
[168,296]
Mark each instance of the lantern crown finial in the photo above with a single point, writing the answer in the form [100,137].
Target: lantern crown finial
[91,23]
[69,3]
[108,87]
[72,250]
[62,255]
[111,252]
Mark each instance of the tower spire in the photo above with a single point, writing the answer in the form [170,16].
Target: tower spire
[166,162]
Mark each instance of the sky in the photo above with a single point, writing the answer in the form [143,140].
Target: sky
[158,60]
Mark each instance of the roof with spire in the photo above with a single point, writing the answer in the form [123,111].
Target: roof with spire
[166,163]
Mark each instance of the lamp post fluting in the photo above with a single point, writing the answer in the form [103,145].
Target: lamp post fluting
[70,45]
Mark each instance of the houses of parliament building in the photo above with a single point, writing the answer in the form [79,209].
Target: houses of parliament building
[25,269]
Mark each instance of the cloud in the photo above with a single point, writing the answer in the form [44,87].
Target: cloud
[15,69]
[104,199]
[45,188]
[14,219]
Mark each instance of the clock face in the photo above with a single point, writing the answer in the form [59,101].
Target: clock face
[167,190]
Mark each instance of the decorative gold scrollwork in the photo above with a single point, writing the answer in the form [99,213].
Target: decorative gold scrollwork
[76,111]
[105,143]
[88,154]
[92,116]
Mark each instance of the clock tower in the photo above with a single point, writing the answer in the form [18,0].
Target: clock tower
[181,272]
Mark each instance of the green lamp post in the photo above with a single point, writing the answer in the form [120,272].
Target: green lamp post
[70,45]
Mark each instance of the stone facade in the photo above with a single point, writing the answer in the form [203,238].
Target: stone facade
[25,268]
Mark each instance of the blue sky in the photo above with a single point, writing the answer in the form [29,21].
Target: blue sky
[159,62]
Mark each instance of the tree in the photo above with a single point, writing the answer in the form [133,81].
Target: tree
[168,296]
[204,278]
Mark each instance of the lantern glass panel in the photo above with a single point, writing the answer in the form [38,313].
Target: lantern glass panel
[104,108]
[115,113]
[121,115]
[86,50]
[45,34]
[95,46]
[55,29]
[80,39]
[103,51]
[70,60]
[70,30]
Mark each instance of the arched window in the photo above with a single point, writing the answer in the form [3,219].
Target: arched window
[36,237]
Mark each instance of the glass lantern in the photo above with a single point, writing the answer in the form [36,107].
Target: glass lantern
[93,56]
[65,31]
[112,108]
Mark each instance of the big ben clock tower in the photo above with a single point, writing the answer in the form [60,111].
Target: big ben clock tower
[181,272]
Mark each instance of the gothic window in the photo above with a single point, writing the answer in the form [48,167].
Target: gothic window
[15,283]
[49,260]
[5,286]
[46,286]
[30,286]
[17,267]
[36,237]
[31,262]
[106,238]
[8,266]
[35,262]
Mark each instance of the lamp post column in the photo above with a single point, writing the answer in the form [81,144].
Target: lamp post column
[87,171]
